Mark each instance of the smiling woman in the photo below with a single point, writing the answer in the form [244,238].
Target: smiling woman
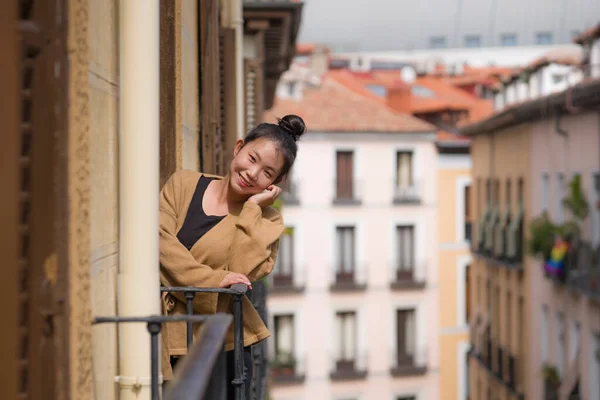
[219,231]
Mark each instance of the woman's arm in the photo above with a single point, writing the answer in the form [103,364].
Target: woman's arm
[178,266]
[256,241]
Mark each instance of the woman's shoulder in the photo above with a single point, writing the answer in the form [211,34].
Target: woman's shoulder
[272,214]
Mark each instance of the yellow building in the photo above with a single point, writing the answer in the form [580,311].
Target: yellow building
[454,259]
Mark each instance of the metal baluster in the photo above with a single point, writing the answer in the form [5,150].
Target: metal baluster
[154,329]
[238,351]
[189,297]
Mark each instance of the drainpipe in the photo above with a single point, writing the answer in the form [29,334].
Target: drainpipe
[237,23]
[138,290]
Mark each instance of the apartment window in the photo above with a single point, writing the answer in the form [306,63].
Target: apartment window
[346,254]
[508,194]
[472,41]
[404,169]
[520,192]
[560,342]
[345,175]
[468,293]
[508,39]
[543,38]
[406,398]
[406,252]
[284,271]
[438,42]
[346,340]
[544,334]
[488,192]
[574,341]
[284,340]
[468,213]
[509,320]
[378,90]
[406,336]
[560,195]
[545,191]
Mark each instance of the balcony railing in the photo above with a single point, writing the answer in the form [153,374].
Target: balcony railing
[286,369]
[409,363]
[407,194]
[408,277]
[289,281]
[501,244]
[348,367]
[582,270]
[346,192]
[349,278]
[202,372]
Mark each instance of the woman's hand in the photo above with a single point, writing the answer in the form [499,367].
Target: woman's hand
[267,197]
[232,278]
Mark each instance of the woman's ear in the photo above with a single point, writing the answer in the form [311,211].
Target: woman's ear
[238,146]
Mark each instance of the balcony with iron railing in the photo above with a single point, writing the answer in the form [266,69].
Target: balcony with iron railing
[351,277]
[290,194]
[408,276]
[408,193]
[286,369]
[581,269]
[409,362]
[287,280]
[500,240]
[347,192]
[201,374]
[348,366]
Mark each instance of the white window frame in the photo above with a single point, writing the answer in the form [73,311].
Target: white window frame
[463,371]
[461,183]
[461,300]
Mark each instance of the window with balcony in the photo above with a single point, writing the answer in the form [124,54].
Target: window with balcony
[283,277]
[543,38]
[595,209]
[468,213]
[406,398]
[345,190]
[484,217]
[544,334]
[284,365]
[514,242]
[502,229]
[508,39]
[405,187]
[346,347]
[289,190]
[406,351]
[545,191]
[468,293]
[345,263]
[560,342]
[560,195]
[405,258]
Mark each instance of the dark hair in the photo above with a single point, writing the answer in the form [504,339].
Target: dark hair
[286,133]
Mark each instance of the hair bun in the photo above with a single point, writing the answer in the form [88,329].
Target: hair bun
[292,124]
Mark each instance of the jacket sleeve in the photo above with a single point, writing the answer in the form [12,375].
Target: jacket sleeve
[256,241]
[178,266]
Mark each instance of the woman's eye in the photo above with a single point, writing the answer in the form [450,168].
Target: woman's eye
[252,159]
[268,174]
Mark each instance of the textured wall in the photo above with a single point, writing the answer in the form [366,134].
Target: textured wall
[102,82]
[188,75]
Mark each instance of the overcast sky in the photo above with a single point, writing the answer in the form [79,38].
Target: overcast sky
[405,24]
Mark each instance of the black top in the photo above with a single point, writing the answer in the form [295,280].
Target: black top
[196,222]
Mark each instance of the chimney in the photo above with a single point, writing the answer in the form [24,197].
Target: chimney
[319,61]
[399,97]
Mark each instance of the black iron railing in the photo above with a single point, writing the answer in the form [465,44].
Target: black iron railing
[203,369]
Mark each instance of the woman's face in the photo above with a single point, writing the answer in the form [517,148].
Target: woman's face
[255,166]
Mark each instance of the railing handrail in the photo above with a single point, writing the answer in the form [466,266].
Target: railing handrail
[195,370]
[237,289]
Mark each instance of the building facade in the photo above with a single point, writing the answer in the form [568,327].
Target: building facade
[535,329]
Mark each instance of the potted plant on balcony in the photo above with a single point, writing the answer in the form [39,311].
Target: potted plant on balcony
[551,378]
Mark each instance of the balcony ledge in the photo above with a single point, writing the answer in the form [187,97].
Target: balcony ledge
[398,201]
[291,379]
[407,285]
[407,370]
[511,265]
[346,202]
[286,289]
[348,375]
[347,287]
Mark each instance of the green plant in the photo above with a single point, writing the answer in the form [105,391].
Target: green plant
[577,202]
[550,374]
[542,233]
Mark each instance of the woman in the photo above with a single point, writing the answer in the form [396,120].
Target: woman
[216,232]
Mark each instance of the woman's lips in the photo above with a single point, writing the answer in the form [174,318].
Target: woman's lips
[243,183]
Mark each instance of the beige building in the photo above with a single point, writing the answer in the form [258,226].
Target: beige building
[535,334]
[102,101]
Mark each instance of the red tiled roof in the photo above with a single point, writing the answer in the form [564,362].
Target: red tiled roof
[590,34]
[334,107]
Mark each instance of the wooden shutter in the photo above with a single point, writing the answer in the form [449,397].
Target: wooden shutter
[345,175]
[210,135]
[228,102]
[254,89]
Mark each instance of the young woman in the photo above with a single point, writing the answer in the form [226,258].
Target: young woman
[219,231]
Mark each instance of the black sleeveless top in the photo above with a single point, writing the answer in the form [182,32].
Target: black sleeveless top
[196,222]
